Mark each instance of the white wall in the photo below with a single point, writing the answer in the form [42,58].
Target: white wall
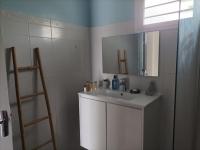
[66,62]
[167,68]
[6,142]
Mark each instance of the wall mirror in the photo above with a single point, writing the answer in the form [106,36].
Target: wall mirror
[134,54]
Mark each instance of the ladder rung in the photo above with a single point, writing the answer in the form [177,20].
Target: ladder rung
[123,60]
[42,145]
[36,121]
[28,68]
[30,96]
[23,69]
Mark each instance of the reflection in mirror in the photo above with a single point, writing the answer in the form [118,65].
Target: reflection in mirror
[136,54]
[151,54]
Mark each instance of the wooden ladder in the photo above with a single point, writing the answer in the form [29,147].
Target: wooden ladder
[122,62]
[21,99]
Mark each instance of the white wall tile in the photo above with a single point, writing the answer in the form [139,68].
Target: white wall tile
[58,24]
[14,28]
[21,44]
[168,45]
[59,33]
[46,52]
[70,32]
[66,67]
[40,31]
[39,21]
[14,16]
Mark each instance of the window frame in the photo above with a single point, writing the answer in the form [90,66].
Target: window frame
[162,24]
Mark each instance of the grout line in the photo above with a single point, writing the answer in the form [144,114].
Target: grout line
[106,105]
[29,38]
[51,28]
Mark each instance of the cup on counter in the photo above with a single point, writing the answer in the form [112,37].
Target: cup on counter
[90,86]
[94,86]
[106,84]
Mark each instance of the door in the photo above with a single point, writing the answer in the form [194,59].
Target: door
[92,124]
[124,128]
[5,142]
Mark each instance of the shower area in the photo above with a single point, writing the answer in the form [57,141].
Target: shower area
[187,106]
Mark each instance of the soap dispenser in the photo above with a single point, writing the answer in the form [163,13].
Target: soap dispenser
[115,83]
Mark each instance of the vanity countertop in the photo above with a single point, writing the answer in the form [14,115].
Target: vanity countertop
[139,101]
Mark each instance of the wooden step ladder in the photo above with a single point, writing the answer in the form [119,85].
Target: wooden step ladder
[21,99]
[122,62]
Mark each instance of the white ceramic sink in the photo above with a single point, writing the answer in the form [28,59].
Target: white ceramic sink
[115,94]
[122,98]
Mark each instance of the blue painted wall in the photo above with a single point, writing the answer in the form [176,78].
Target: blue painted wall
[72,11]
[104,12]
[81,12]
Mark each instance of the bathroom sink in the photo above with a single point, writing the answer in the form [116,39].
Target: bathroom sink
[115,94]
[140,100]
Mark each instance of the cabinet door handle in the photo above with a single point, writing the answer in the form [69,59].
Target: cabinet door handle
[4,123]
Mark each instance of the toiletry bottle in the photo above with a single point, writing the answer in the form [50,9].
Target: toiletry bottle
[115,83]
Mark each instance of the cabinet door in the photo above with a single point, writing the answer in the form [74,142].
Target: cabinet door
[92,124]
[124,128]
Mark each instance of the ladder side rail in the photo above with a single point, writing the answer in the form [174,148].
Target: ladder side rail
[38,59]
[18,97]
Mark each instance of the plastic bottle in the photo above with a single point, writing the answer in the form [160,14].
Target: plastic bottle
[115,83]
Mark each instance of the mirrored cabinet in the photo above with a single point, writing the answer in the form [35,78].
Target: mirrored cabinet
[135,54]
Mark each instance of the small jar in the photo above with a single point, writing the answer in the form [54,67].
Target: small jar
[94,86]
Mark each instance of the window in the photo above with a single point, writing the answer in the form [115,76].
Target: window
[157,11]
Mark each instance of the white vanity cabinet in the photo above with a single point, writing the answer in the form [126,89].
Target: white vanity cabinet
[92,124]
[124,128]
[112,124]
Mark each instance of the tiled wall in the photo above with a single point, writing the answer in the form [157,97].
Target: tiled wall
[65,56]
[6,143]
[167,69]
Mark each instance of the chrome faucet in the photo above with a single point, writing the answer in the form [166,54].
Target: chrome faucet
[123,85]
